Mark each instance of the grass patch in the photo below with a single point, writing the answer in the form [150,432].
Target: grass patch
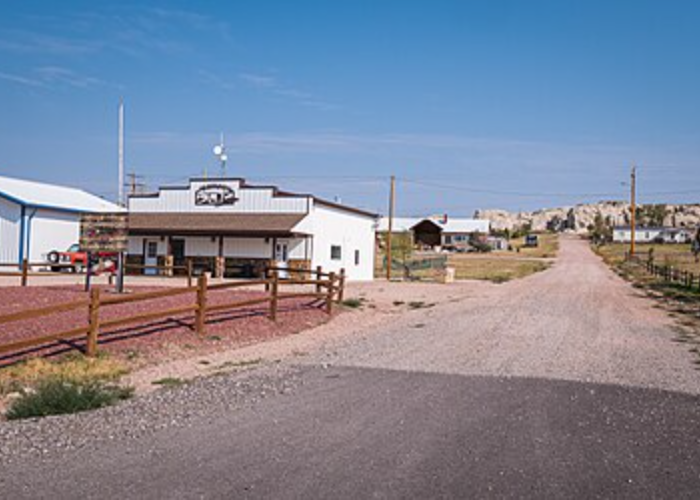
[76,368]
[169,382]
[497,270]
[419,304]
[547,248]
[352,303]
[57,396]
[240,364]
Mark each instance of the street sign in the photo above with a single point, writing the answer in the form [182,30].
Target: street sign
[104,232]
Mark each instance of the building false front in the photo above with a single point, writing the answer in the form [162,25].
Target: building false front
[228,227]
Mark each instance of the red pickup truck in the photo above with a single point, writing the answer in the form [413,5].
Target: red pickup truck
[75,260]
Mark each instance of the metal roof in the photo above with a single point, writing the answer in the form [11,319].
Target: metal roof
[42,195]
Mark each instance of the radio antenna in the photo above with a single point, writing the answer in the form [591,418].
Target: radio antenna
[220,153]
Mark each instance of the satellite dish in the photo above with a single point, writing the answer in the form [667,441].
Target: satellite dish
[223,157]
[218,150]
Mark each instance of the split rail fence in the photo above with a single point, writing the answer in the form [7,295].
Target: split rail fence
[668,273]
[328,287]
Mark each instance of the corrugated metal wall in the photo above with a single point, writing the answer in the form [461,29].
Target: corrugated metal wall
[10,214]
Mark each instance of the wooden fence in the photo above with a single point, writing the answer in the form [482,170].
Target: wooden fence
[328,290]
[667,273]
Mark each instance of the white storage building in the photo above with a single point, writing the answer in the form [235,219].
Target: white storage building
[229,227]
[36,218]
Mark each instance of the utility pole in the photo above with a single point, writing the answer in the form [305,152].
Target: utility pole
[135,184]
[633,208]
[392,202]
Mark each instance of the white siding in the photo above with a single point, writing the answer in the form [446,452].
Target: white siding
[247,248]
[250,200]
[50,230]
[135,245]
[201,247]
[10,214]
[352,232]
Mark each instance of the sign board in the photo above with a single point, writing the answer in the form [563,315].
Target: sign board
[104,232]
[215,195]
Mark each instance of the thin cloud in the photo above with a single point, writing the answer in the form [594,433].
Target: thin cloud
[271,85]
[21,80]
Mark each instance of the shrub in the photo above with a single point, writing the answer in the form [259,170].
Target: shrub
[353,303]
[57,396]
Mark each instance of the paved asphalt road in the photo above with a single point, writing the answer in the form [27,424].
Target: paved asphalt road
[452,402]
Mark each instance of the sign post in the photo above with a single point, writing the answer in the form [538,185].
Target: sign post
[104,236]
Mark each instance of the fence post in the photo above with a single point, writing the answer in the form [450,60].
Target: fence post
[94,331]
[25,271]
[267,276]
[341,285]
[329,293]
[189,273]
[319,277]
[201,312]
[274,291]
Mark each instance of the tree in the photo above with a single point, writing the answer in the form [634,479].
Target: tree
[600,231]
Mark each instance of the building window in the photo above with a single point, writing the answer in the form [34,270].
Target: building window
[357,257]
[336,253]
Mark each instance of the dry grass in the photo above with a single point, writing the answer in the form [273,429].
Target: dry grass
[497,269]
[678,256]
[77,369]
[547,248]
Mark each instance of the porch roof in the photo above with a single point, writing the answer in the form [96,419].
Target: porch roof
[184,223]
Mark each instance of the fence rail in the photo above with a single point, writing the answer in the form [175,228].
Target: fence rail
[328,290]
[667,272]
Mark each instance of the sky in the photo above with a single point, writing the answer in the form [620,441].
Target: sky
[471,104]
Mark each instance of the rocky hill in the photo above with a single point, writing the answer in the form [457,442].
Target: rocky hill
[580,217]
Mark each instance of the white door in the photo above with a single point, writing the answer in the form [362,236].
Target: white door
[151,257]
[282,258]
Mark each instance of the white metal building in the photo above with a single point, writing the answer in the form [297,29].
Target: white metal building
[36,218]
[228,223]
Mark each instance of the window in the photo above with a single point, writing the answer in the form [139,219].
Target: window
[336,253]
[357,257]
[152,249]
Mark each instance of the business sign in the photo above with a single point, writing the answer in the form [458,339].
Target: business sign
[215,195]
[104,232]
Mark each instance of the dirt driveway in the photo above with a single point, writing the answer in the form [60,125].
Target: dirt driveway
[576,321]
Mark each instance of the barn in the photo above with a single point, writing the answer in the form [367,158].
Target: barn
[36,218]
[229,227]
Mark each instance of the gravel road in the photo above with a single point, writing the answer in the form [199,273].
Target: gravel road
[566,384]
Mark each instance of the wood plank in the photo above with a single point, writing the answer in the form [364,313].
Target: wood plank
[24,344]
[43,311]
[147,316]
[236,284]
[137,297]
[302,295]
[239,304]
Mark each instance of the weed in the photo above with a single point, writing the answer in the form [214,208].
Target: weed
[76,369]
[419,304]
[352,303]
[398,303]
[214,337]
[57,396]
[169,382]
[240,364]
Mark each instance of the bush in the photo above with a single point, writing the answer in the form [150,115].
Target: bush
[57,396]
[352,303]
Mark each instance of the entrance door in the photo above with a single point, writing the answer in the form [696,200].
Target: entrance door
[177,247]
[150,257]
[282,258]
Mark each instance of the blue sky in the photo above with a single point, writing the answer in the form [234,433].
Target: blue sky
[471,104]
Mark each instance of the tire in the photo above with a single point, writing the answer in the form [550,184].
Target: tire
[53,257]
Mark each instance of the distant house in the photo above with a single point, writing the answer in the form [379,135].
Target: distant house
[623,234]
[446,232]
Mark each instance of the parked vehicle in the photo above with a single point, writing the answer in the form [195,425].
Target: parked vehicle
[532,240]
[75,260]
